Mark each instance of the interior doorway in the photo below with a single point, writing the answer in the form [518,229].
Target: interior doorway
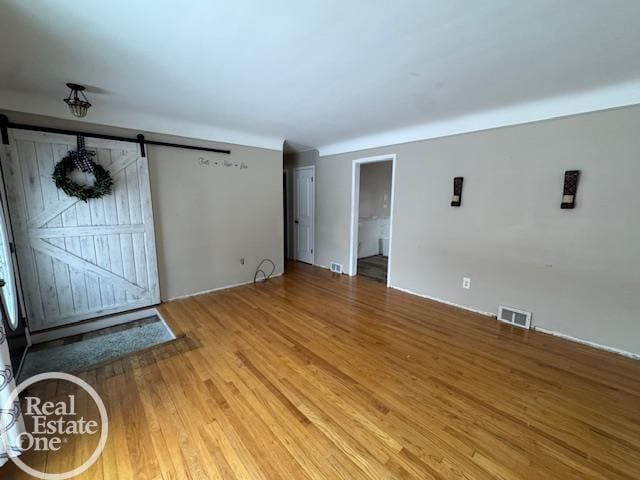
[373,182]
[304,214]
[285,215]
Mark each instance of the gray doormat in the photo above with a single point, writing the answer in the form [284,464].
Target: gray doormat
[80,352]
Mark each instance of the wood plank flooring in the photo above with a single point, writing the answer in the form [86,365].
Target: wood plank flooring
[374,267]
[320,376]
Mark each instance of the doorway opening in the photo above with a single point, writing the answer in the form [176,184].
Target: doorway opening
[285,215]
[304,214]
[299,163]
[373,182]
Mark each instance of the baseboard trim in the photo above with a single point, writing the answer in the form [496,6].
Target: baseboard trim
[624,353]
[440,300]
[217,289]
[93,325]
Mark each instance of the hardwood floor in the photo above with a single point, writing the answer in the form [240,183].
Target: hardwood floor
[374,267]
[314,375]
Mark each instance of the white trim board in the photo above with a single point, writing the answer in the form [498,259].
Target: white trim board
[607,98]
[217,289]
[355,199]
[99,324]
[624,353]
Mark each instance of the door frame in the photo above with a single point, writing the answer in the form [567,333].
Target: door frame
[23,320]
[285,213]
[22,309]
[355,207]
[313,210]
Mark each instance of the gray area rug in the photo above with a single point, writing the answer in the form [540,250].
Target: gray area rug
[95,348]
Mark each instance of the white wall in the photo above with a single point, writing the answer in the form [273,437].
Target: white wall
[370,231]
[577,270]
[375,189]
[206,218]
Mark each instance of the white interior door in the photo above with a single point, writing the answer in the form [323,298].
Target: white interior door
[304,213]
[80,260]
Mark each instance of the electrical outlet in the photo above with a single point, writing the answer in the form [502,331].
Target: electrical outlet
[466,282]
[241,260]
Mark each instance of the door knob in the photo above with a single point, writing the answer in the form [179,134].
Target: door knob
[296,221]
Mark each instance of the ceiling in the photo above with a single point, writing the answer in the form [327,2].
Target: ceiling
[336,75]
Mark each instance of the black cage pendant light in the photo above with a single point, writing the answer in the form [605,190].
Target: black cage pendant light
[77,101]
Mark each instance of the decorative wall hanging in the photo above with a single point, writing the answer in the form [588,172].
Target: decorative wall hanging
[82,159]
[456,200]
[571,178]
[77,106]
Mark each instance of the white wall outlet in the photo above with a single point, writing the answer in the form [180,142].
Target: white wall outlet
[466,282]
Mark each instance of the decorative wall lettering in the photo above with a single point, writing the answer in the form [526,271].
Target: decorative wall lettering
[205,162]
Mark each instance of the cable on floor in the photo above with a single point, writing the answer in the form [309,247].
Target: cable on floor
[259,270]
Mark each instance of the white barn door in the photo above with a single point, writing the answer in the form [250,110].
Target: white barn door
[80,260]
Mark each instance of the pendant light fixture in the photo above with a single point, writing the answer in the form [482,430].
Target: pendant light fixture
[77,101]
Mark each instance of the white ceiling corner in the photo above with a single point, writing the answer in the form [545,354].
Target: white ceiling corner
[584,102]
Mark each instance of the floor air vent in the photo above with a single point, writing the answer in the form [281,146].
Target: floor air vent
[513,316]
[336,267]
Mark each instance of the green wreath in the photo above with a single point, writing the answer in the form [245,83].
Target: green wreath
[102,185]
